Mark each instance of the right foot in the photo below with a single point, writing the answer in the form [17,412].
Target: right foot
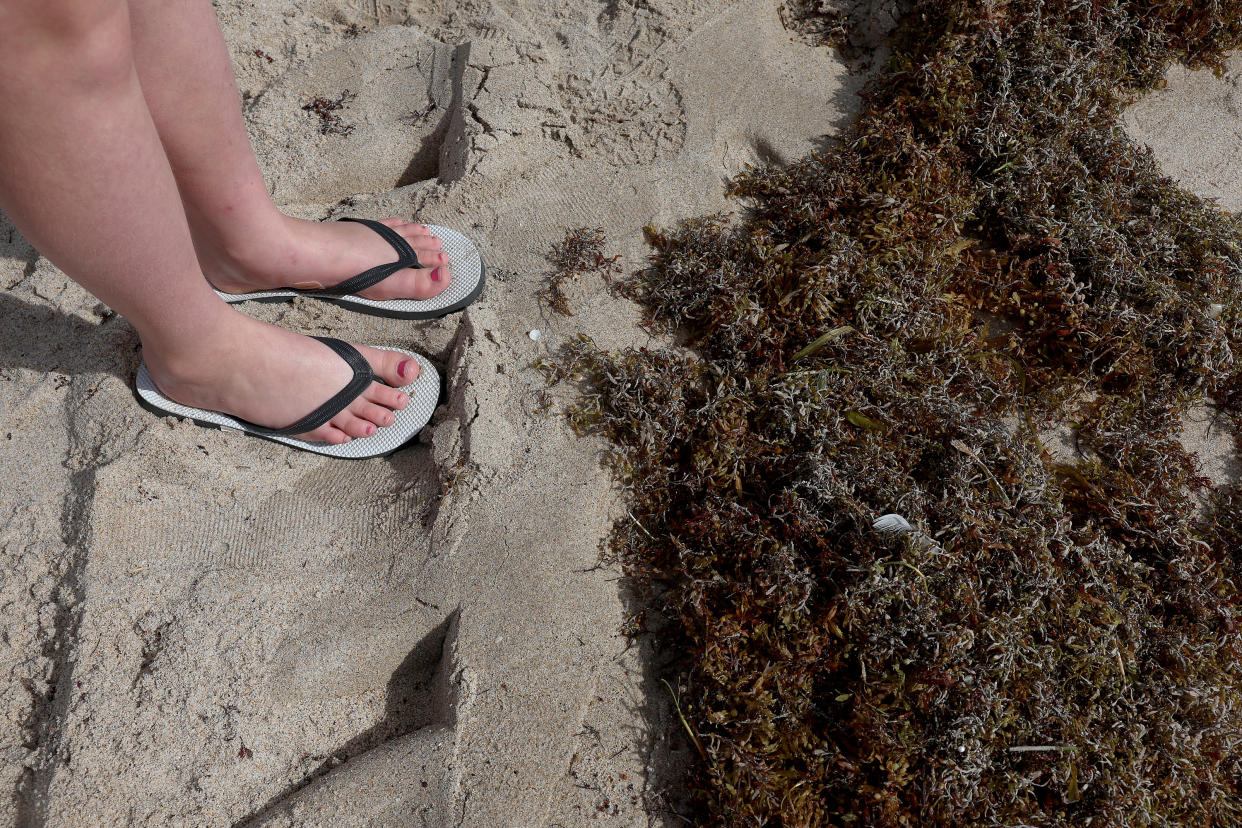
[274,377]
[311,255]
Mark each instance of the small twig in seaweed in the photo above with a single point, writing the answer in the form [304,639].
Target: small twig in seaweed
[694,737]
[329,122]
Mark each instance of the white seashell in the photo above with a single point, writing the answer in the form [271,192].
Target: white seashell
[892,523]
[896,523]
[536,334]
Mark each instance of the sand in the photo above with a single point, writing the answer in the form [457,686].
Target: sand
[1194,128]
[206,629]
[201,628]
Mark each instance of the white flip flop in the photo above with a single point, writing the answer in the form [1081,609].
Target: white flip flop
[465,283]
[423,393]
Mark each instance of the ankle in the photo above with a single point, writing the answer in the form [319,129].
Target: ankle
[246,245]
[187,354]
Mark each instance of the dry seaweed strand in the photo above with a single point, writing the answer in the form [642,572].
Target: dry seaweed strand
[581,252]
[990,253]
[325,109]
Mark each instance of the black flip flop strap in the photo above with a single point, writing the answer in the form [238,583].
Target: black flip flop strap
[363,377]
[406,257]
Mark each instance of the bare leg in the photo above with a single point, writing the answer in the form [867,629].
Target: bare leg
[84,176]
[244,242]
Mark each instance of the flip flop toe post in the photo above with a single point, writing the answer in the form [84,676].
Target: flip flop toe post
[423,393]
[468,275]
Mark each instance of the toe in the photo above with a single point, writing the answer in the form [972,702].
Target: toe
[352,425]
[415,234]
[411,283]
[389,398]
[326,434]
[420,238]
[429,252]
[432,257]
[393,367]
[374,414]
[336,436]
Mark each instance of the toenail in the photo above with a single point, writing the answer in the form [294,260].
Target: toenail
[401,367]
[437,274]
[370,430]
[402,399]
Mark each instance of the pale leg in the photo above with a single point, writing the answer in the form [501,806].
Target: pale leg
[84,176]
[244,242]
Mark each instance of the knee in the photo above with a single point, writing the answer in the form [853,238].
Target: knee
[89,40]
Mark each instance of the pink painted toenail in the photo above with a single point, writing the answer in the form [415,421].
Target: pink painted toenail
[436,274]
[401,367]
[370,430]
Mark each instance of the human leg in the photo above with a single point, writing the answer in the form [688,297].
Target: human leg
[84,176]
[244,242]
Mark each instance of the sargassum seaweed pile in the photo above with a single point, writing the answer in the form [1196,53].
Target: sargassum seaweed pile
[894,326]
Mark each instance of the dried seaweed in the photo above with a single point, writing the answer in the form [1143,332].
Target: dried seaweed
[893,328]
[325,109]
[581,252]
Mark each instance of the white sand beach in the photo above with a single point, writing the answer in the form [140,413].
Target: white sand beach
[202,628]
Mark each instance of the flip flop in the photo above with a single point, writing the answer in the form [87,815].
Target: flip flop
[465,284]
[423,393]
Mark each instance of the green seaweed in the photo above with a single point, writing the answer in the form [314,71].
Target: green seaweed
[895,325]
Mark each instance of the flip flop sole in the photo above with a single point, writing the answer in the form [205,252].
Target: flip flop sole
[423,392]
[465,284]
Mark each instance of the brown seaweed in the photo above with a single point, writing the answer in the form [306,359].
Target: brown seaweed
[890,328]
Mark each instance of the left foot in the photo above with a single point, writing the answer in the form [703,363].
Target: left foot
[317,254]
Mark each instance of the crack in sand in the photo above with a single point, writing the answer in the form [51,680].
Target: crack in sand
[51,716]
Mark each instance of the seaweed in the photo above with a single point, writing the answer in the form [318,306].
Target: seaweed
[893,328]
[325,109]
[579,253]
